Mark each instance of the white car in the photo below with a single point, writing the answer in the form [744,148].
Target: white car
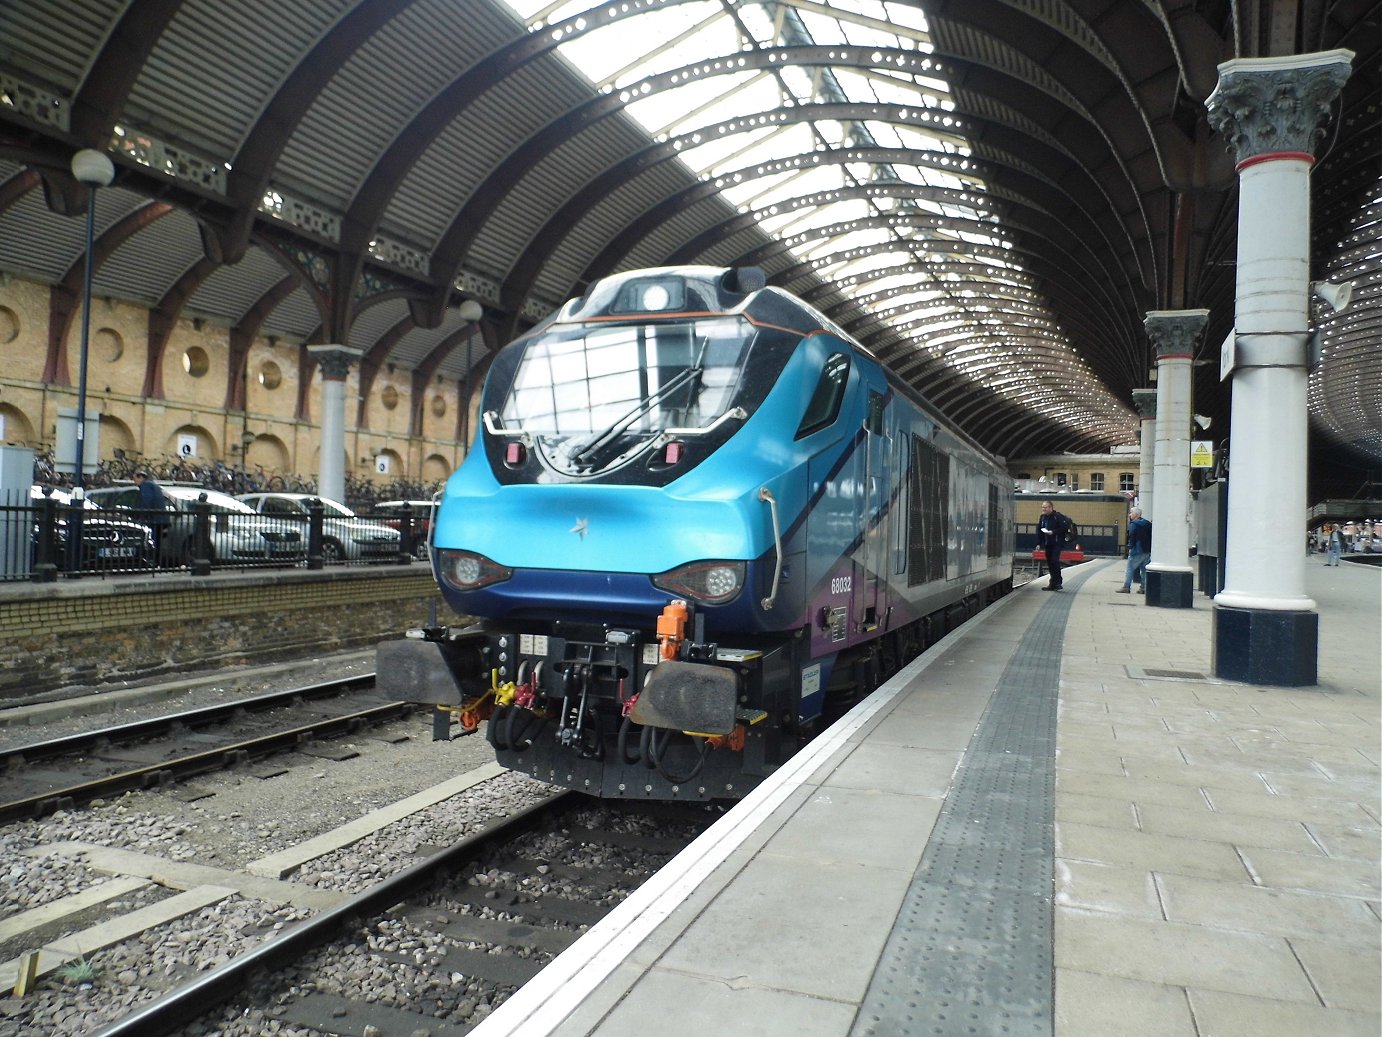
[345,535]
[237,532]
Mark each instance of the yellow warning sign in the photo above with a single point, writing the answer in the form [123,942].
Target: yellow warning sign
[1201,453]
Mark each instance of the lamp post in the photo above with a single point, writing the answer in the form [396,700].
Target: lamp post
[94,169]
[470,312]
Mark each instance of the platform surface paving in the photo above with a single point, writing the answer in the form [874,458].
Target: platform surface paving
[1213,858]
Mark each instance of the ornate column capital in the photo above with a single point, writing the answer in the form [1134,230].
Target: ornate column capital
[335,360]
[1173,332]
[1265,105]
[1145,402]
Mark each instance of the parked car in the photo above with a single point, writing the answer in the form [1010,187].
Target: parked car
[237,532]
[422,521]
[345,535]
[107,542]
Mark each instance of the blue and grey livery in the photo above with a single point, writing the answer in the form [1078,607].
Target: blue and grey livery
[700,521]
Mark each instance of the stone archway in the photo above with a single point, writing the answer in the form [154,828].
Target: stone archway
[193,444]
[117,439]
[435,469]
[267,452]
[15,427]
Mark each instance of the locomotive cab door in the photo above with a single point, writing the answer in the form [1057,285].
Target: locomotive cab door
[871,594]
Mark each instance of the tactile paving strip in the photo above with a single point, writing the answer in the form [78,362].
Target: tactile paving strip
[970,953]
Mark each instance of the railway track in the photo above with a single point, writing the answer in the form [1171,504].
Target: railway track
[42,777]
[492,909]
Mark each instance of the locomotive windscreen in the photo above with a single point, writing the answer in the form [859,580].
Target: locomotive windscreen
[589,393]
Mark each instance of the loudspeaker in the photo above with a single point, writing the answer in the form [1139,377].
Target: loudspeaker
[1336,296]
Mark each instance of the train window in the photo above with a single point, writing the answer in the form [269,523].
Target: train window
[930,513]
[995,532]
[824,407]
[874,421]
[901,517]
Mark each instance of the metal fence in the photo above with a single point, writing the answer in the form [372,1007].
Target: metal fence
[48,538]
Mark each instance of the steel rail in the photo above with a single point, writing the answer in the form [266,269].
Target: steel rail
[190,718]
[193,1000]
[49,800]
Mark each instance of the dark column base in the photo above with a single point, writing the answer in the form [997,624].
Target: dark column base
[1173,590]
[1209,575]
[1260,646]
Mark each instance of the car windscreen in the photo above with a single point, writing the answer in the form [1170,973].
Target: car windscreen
[220,503]
[333,510]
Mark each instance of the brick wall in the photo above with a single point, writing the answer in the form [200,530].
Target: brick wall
[190,398]
[59,635]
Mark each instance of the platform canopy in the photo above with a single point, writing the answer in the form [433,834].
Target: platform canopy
[989,194]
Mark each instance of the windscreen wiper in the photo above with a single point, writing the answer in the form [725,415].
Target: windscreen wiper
[691,374]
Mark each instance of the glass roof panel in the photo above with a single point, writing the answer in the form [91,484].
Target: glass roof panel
[897,255]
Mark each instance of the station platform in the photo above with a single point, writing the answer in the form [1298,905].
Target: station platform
[1055,821]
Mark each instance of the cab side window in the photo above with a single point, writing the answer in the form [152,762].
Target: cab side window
[824,407]
[877,404]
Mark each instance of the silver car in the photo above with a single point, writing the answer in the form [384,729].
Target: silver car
[237,532]
[345,535]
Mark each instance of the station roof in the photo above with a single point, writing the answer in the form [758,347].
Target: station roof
[989,194]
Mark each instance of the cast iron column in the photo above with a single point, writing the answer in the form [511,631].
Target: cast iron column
[1145,402]
[335,363]
[1266,630]
[1170,579]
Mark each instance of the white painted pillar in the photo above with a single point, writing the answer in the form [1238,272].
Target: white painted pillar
[1170,579]
[1145,402]
[334,362]
[1271,109]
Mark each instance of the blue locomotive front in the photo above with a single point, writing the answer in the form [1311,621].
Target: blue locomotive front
[682,517]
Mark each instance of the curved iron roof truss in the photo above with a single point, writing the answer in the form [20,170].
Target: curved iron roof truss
[989,194]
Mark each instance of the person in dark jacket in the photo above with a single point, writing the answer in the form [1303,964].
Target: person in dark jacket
[1139,552]
[153,506]
[1052,530]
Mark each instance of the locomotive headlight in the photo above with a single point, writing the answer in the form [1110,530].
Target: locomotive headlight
[468,571]
[651,295]
[711,583]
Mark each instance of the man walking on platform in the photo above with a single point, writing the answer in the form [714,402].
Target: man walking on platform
[1139,552]
[1053,531]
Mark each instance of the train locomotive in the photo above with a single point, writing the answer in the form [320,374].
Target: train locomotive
[700,523]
